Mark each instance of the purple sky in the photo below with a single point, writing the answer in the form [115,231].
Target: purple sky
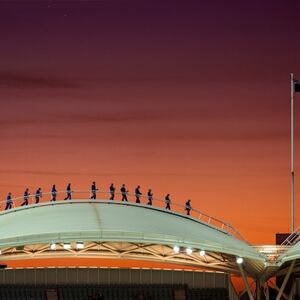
[187,97]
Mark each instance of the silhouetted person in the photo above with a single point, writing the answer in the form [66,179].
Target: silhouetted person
[53,192]
[93,190]
[8,202]
[38,194]
[150,197]
[69,192]
[188,207]
[112,192]
[168,202]
[124,193]
[138,194]
[26,196]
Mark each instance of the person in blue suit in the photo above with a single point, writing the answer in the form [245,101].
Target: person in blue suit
[8,202]
[138,194]
[112,190]
[93,190]
[188,207]
[53,192]
[26,197]
[38,195]
[168,202]
[150,197]
[69,192]
[124,193]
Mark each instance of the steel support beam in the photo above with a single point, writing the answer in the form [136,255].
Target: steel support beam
[258,290]
[286,278]
[246,282]
[283,294]
[292,291]
[267,292]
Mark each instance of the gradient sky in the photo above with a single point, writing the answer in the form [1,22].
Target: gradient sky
[189,98]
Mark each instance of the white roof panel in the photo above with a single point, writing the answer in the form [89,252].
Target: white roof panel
[94,220]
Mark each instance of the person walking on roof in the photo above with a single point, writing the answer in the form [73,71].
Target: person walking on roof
[188,207]
[168,202]
[26,196]
[112,192]
[124,193]
[8,201]
[38,194]
[93,190]
[150,197]
[69,192]
[53,192]
[138,194]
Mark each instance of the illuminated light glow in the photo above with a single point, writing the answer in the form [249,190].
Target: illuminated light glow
[53,246]
[176,249]
[80,245]
[67,246]
[202,253]
[189,251]
[239,260]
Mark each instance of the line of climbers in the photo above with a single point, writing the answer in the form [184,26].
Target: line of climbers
[94,189]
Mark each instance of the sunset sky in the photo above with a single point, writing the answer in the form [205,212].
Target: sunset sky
[190,98]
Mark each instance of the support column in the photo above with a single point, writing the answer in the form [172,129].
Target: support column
[292,291]
[246,282]
[283,294]
[267,292]
[258,290]
[286,278]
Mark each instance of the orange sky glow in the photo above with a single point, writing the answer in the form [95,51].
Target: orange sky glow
[187,99]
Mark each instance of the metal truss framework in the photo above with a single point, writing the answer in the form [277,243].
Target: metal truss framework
[124,250]
[113,240]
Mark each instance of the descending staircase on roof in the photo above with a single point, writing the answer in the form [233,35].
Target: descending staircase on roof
[293,238]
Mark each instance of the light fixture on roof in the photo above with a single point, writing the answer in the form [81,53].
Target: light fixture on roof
[202,252]
[189,251]
[67,246]
[80,245]
[53,246]
[239,260]
[176,249]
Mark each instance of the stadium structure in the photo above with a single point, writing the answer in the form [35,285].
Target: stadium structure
[203,253]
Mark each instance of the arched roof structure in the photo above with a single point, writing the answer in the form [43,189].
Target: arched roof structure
[86,228]
[117,229]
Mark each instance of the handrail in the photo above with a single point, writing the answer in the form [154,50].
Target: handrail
[199,215]
[293,238]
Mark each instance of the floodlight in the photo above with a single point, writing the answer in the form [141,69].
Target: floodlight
[189,251]
[53,246]
[80,245]
[239,260]
[202,253]
[176,249]
[67,246]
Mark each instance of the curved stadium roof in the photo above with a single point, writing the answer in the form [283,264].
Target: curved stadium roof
[123,230]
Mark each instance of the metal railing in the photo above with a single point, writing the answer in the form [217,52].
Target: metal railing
[156,202]
[293,238]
